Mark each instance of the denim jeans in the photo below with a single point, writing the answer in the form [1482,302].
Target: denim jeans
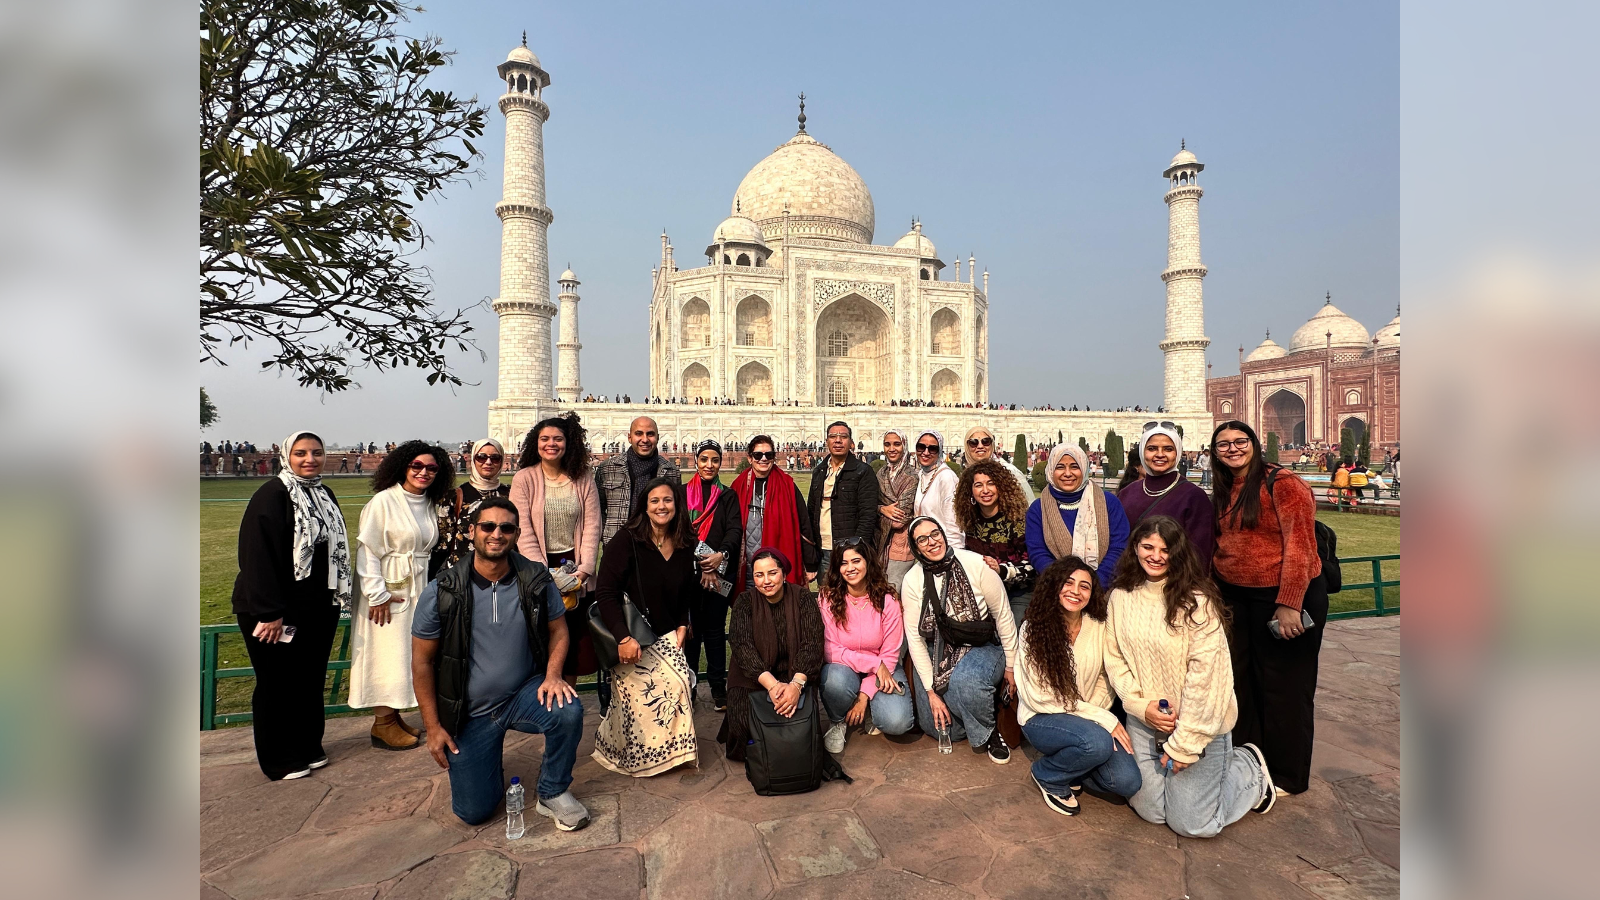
[970,696]
[822,566]
[476,777]
[1214,792]
[895,570]
[1078,751]
[1019,608]
[841,685]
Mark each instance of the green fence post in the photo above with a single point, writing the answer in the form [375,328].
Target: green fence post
[1377,585]
[208,680]
[344,653]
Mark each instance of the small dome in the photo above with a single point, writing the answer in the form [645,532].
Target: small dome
[737,229]
[1389,335]
[522,54]
[1269,349]
[1313,335]
[1185,157]
[916,240]
[810,180]
[568,276]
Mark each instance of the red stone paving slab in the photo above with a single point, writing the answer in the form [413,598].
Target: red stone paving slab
[542,838]
[236,826]
[1209,879]
[615,874]
[473,875]
[1087,864]
[220,781]
[705,856]
[1375,798]
[307,863]
[817,845]
[365,804]
[924,834]
[877,884]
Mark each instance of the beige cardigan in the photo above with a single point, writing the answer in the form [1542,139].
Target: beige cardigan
[1034,696]
[527,495]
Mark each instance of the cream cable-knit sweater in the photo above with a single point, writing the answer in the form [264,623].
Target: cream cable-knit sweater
[1189,666]
[986,587]
[1034,696]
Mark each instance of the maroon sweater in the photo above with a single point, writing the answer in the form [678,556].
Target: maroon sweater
[1190,505]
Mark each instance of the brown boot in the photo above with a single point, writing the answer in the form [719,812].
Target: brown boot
[387,734]
[406,726]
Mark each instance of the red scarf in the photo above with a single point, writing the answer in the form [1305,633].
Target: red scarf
[702,512]
[780,520]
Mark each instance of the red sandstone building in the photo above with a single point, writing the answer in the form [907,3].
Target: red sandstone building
[1332,376]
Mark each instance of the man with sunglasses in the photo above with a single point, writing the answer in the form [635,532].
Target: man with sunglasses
[844,496]
[487,648]
[618,477]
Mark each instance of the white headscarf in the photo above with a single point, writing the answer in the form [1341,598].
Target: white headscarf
[938,460]
[484,485]
[1085,530]
[1177,441]
[317,520]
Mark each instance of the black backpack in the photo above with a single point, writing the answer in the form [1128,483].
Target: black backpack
[785,755]
[1327,542]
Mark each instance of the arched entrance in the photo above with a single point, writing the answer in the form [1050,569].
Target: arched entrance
[696,382]
[1284,413]
[946,388]
[1358,428]
[854,353]
[755,384]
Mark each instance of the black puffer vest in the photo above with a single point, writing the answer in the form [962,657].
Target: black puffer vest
[455,631]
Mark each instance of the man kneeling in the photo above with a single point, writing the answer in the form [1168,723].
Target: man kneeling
[500,621]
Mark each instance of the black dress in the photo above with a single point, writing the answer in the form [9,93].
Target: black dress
[290,677]
[806,656]
[708,610]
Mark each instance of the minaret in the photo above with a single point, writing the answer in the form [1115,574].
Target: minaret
[570,388]
[524,303]
[1186,341]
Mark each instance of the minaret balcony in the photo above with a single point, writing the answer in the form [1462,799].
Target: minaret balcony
[1199,343]
[1195,271]
[524,101]
[1184,192]
[506,210]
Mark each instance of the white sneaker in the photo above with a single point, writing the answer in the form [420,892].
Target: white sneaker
[868,726]
[833,741]
[568,813]
[297,774]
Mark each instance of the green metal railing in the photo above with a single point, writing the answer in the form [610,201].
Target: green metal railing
[210,675]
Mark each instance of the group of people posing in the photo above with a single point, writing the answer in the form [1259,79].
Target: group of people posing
[1156,645]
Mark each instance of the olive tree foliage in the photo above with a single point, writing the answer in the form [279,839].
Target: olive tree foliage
[318,137]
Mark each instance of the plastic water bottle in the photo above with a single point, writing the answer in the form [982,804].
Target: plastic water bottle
[514,824]
[1164,707]
[944,741]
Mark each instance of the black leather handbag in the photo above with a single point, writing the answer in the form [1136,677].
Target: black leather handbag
[959,634]
[605,643]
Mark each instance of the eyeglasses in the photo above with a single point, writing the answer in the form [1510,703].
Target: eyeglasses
[1236,444]
[489,459]
[980,442]
[1163,424]
[763,455]
[927,448]
[838,437]
[430,468]
[846,543]
[928,540]
[503,527]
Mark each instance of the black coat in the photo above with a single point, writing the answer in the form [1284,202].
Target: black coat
[727,527]
[855,501]
[265,589]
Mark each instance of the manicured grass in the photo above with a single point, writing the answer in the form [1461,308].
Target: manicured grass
[1361,535]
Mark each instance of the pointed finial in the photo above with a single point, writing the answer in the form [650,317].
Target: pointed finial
[1327,298]
[802,111]
[736,209]
[524,37]
[1269,334]
[1183,143]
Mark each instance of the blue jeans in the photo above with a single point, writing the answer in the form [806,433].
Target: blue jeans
[1212,793]
[970,696]
[476,777]
[1077,751]
[841,685]
[823,559]
[1019,607]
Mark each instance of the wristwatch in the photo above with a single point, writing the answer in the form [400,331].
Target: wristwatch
[799,678]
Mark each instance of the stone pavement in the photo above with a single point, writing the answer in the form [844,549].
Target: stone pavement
[377,824]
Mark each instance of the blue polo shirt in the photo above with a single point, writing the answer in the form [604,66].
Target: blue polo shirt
[501,661]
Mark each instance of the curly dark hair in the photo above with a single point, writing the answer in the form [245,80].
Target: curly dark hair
[575,461]
[1013,503]
[392,470]
[834,588]
[1186,577]
[1047,646]
[639,520]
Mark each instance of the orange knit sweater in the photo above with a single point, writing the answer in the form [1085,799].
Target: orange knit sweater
[1281,550]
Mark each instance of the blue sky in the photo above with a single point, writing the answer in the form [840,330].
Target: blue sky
[1032,136]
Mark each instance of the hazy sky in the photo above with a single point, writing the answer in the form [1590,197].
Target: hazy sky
[1031,136]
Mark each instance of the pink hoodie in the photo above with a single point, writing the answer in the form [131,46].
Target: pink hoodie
[866,639]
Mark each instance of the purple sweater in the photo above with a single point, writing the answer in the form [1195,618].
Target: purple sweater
[1190,505]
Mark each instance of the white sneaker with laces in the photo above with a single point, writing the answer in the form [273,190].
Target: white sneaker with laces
[833,741]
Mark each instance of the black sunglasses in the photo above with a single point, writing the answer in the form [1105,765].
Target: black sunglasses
[763,455]
[489,458]
[927,448]
[980,442]
[502,527]
[430,468]
[846,543]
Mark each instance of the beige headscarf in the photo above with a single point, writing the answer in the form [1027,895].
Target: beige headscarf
[485,485]
[966,454]
[1091,532]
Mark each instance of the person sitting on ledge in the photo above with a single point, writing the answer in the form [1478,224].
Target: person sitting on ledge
[499,670]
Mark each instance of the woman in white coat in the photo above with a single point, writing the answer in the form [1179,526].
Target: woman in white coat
[399,529]
[936,487]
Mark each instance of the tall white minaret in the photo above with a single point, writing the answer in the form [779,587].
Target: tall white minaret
[570,387]
[524,303]
[1186,341]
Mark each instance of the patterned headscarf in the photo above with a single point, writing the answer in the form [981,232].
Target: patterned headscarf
[317,520]
[960,603]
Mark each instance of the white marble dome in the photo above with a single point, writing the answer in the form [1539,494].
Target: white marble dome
[1269,349]
[1389,335]
[1347,332]
[737,229]
[522,54]
[916,240]
[1185,157]
[568,276]
[816,185]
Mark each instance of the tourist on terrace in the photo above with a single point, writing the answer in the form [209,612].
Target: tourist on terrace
[1064,699]
[936,487]
[1084,520]
[777,642]
[773,514]
[897,494]
[399,529]
[980,445]
[504,633]
[1267,570]
[649,728]
[559,528]
[714,516]
[294,574]
[1168,641]
[962,640]
[994,515]
[844,495]
[1164,490]
[1132,471]
[620,476]
[484,463]
[863,682]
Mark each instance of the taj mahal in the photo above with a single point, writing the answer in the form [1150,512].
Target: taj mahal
[796,312]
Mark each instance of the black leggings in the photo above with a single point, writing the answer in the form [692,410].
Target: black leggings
[1276,680]
[290,680]
[708,618]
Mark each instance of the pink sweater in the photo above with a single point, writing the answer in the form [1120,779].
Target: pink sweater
[866,639]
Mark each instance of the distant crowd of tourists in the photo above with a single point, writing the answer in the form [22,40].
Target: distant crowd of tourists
[1157,645]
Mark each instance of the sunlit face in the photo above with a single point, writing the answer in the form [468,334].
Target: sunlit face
[1233,447]
[894,449]
[496,543]
[927,449]
[488,462]
[552,444]
[421,472]
[1077,591]
[1152,552]
[305,457]
[839,441]
[762,457]
[1160,454]
[985,491]
[1067,475]
[980,446]
[929,539]
[853,569]
[768,576]
[660,505]
[708,464]
[642,435]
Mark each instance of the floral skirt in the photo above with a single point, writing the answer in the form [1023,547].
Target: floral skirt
[650,726]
